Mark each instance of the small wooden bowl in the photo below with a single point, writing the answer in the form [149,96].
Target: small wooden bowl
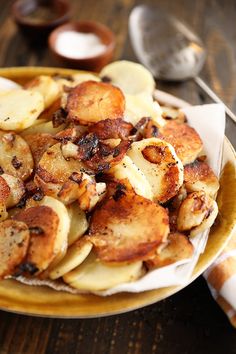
[94,63]
[29,15]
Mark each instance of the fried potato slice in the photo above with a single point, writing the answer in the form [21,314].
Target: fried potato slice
[54,170]
[39,143]
[142,105]
[196,213]
[54,163]
[15,155]
[16,188]
[42,222]
[46,86]
[49,225]
[131,78]
[178,247]
[94,275]
[43,127]
[199,176]
[160,165]
[75,255]
[14,241]
[127,227]
[19,109]
[63,227]
[126,169]
[79,223]
[185,140]
[93,101]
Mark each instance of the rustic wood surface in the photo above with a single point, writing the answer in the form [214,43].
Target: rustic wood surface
[190,321]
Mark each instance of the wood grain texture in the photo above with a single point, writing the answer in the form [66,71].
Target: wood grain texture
[190,321]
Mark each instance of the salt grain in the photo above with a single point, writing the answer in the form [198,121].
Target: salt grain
[79,45]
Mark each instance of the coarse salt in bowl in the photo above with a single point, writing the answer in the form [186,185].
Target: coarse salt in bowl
[84,45]
[79,45]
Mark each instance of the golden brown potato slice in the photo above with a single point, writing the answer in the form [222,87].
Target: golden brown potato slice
[39,143]
[75,255]
[79,223]
[185,140]
[15,155]
[49,225]
[199,176]
[64,222]
[196,213]
[94,275]
[160,165]
[46,86]
[54,164]
[42,222]
[54,170]
[16,187]
[93,101]
[178,247]
[127,227]
[14,243]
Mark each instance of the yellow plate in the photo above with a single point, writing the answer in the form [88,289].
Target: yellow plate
[43,301]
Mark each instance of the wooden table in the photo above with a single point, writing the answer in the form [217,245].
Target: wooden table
[190,321]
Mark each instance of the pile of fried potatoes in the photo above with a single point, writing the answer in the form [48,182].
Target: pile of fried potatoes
[98,182]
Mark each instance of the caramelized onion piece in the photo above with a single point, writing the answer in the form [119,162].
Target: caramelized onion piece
[111,129]
[106,157]
[14,242]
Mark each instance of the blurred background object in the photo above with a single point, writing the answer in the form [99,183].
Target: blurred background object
[36,18]
[169,48]
[87,45]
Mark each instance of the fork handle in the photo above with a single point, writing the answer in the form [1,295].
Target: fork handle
[214,97]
